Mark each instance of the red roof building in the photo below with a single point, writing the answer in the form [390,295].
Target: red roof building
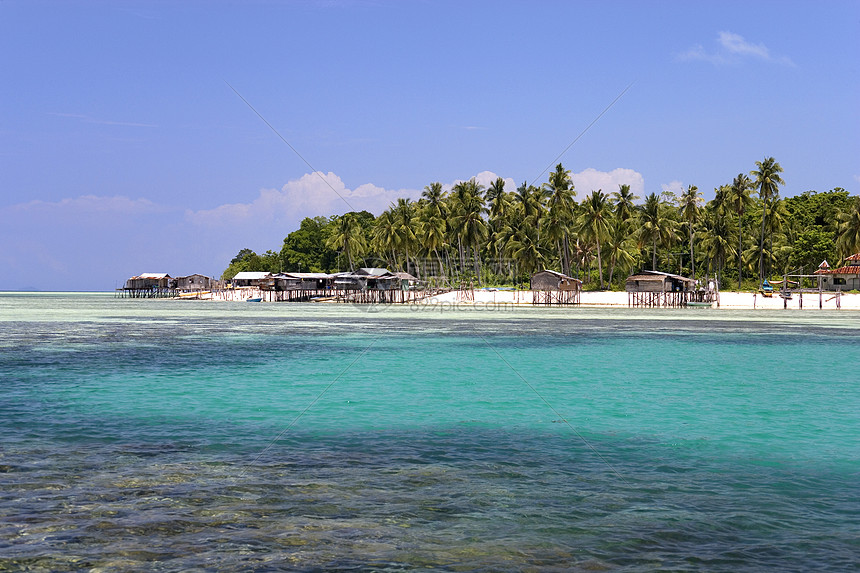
[846,277]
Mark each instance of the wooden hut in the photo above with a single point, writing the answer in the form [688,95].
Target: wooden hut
[406,281]
[299,287]
[191,283]
[375,285]
[368,278]
[253,279]
[552,287]
[149,285]
[657,289]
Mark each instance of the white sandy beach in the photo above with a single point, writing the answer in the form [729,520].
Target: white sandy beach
[604,299]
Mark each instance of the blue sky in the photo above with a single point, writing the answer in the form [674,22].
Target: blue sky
[124,150]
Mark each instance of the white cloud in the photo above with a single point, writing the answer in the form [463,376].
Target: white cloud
[485,178]
[591,179]
[311,195]
[675,187]
[732,48]
[735,44]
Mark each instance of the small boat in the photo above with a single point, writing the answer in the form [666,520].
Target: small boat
[699,304]
[254,299]
[766,289]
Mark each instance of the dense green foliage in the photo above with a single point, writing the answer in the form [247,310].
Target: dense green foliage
[498,236]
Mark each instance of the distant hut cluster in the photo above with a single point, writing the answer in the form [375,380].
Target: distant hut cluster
[162,285]
[555,288]
[366,285]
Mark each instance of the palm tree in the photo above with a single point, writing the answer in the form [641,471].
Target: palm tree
[739,200]
[524,247]
[495,193]
[349,237]
[434,197]
[528,200]
[404,225]
[467,220]
[623,202]
[688,205]
[656,227]
[767,180]
[621,247]
[500,213]
[560,201]
[595,223]
[715,238]
[431,232]
[385,235]
[848,241]
[777,218]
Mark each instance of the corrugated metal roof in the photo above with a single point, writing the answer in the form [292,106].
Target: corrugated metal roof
[316,276]
[251,275]
[670,275]
[372,271]
[557,274]
[404,276]
[154,276]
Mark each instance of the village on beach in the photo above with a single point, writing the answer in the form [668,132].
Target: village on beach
[646,289]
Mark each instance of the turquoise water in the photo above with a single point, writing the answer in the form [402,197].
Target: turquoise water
[187,435]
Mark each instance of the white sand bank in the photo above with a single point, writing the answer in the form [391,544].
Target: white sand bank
[728,300]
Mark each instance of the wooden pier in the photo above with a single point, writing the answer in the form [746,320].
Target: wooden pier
[658,299]
[146,293]
[555,297]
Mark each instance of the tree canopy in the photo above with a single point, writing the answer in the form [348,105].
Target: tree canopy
[501,236]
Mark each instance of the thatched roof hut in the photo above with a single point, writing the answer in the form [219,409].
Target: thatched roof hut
[257,279]
[554,280]
[655,281]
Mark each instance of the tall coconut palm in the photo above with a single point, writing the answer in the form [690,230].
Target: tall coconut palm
[739,199]
[405,225]
[621,247]
[384,237]
[767,181]
[525,249]
[498,205]
[561,207]
[595,223]
[434,196]
[656,227]
[528,200]
[716,239]
[431,233]
[348,237]
[495,192]
[848,239]
[688,206]
[776,228]
[467,220]
[623,200]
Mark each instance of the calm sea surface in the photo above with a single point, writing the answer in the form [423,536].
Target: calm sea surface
[183,435]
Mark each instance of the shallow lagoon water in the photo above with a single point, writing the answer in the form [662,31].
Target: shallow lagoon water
[187,435]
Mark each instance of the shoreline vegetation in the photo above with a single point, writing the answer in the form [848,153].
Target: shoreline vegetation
[477,235]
